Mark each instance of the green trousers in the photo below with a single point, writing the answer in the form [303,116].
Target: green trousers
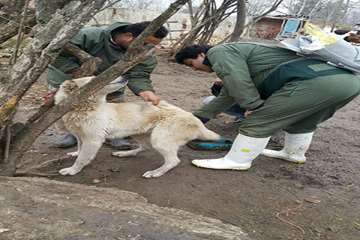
[299,106]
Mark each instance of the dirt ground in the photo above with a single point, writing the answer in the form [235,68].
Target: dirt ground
[273,200]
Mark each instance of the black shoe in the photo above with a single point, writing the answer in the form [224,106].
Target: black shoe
[122,143]
[67,142]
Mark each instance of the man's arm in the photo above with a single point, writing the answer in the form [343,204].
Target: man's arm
[80,47]
[216,106]
[77,52]
[233,69]
[139,80]
[89,63]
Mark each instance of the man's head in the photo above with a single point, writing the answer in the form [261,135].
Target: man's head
[124,36]
[194,56]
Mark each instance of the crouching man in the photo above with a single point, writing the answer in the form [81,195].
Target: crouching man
[109,46]
[278,89]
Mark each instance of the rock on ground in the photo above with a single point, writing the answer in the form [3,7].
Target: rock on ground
[34,208]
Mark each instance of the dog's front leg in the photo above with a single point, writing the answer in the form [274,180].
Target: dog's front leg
[75,154]
[87,153]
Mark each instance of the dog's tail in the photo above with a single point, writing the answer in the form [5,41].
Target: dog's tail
[206,134]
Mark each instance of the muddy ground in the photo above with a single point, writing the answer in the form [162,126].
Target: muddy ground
[273,200]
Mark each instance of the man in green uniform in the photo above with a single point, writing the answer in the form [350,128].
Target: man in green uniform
[109,44]
[278,89]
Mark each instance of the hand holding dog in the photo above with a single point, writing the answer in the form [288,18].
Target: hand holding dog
[149,96]
[247,113]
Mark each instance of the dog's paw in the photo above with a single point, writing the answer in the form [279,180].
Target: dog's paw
[73,154]
[153,174]
[68,171]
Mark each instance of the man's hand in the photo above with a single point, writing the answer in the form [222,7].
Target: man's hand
[149,96]
[247,113]
[218,81]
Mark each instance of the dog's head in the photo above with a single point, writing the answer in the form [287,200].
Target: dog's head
[67,87]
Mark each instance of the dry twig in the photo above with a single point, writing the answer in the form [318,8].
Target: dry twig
[287,212]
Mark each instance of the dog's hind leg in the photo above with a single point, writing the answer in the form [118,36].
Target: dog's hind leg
[128,153]
[87,153]
[163,141]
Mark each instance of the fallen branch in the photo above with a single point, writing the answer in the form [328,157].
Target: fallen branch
[34,174]
[287,212]
[46,163]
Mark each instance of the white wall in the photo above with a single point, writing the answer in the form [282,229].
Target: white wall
[112,15]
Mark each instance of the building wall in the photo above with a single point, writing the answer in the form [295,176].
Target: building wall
[179,23]
[266,28]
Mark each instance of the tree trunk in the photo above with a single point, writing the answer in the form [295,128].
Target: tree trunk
[257,18]
[45,9]
[191,13]
[240,21]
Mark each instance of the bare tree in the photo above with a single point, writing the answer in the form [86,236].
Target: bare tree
[207,19]
[314,9]
[140,4]
[301,10]
[328,11]
[254,7]
[10,12]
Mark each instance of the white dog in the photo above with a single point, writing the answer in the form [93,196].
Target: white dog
[97,120]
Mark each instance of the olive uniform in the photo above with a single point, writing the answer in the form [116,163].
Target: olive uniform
[97,42]
[284,91]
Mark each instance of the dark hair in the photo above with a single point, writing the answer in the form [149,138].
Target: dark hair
[191,52]
[137,28]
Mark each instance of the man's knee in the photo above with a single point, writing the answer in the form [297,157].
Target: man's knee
[258,131]
[299,129]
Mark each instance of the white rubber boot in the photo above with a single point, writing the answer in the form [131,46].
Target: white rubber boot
[243,151]
[294,149]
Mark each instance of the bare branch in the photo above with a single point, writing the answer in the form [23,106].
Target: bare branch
[42,51]
[20,32]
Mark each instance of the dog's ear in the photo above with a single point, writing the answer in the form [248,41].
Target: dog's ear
[83,81]
[65,89]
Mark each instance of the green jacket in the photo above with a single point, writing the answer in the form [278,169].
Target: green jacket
[242,68]
[96,41]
